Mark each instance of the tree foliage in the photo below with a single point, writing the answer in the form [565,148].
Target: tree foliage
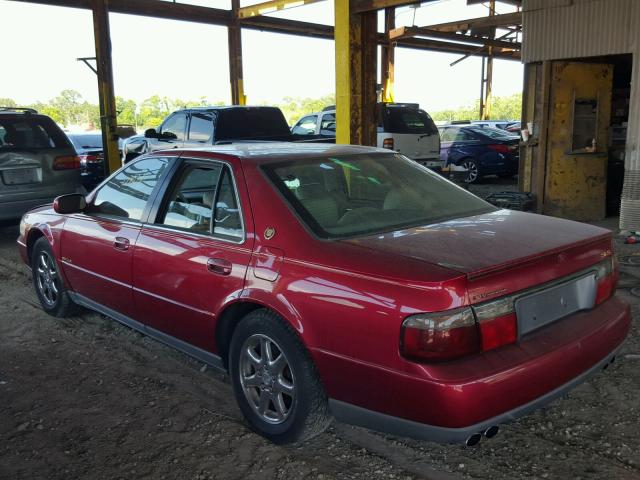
[503,108]
[72,111]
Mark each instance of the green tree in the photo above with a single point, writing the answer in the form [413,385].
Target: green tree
[7,102]
[503,108]
[294,108]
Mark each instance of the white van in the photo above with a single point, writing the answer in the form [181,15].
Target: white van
[402,127]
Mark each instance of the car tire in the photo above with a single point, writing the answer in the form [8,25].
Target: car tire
[275,381]
[48,282]
[474,170]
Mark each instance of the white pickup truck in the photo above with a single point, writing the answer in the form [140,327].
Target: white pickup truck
[402,127]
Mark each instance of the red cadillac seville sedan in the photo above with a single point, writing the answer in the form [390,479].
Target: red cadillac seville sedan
[337,282]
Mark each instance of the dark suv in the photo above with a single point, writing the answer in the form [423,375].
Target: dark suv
[199,127]
[37,162]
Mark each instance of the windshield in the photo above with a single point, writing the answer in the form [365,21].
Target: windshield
[408,120]
[361,194]
[30,133]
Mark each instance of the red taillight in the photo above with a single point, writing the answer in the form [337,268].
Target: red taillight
[498,322]
[607,277]
[500,148]
[387,143]
[84,159]
[440,336]
[66,162]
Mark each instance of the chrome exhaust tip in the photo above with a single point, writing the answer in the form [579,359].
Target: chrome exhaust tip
[492,431]
[473,440]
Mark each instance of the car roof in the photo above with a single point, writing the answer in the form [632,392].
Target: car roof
[223,107]
[266,152]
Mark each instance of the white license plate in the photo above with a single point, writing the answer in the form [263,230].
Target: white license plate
[541,308]
[22,176]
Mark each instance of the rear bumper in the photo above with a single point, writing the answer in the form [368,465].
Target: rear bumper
[362,417]
[448,401]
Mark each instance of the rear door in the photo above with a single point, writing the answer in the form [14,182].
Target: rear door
[200,131]
[414,134]
[97,246]
[192,256]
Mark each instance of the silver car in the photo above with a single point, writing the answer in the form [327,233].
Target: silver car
[37,162]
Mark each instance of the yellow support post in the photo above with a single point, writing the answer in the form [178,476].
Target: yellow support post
[387,57]
[108,114]
[271,6]
[235,57]
[488,89]
[356,59]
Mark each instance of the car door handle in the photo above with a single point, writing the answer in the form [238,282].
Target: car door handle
[219,266]
[121,243]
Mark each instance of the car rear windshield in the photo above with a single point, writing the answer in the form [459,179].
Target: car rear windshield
[30,133]
[408,120]
[85,141]
[354,195]
[251,123]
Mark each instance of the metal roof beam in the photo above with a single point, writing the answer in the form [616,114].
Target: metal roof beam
[152,8]
[271,6]
[494,21]
[406,32]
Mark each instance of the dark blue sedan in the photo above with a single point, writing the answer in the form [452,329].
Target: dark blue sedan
[481,151]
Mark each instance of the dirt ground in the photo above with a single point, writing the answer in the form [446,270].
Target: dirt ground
[88,398]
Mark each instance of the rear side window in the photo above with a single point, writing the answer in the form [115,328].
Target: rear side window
[251,123]
[32,133]
[125,196]
[201,127]
[408,120]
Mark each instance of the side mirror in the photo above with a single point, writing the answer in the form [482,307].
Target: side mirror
[71,203]
[150,133]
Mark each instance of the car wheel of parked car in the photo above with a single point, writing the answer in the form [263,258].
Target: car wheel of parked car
[48,283]
[275,381]
[473,172]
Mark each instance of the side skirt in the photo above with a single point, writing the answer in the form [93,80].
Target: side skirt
[206,357]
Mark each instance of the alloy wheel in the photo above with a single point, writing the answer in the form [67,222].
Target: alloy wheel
[47,278]
[472,170]
[267,379]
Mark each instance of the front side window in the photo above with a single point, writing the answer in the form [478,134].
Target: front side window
[201,127]
[363,194]
[125,196]
[204,201]
[306,125]
[173,128]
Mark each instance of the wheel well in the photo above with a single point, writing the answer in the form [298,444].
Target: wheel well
[33,237]
[227,323]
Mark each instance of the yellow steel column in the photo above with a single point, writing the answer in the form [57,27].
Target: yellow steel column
[488,89]
[387,57]
[105,84]
[235,58]
[356,59]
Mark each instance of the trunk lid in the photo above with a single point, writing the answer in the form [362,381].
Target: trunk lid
[500,252]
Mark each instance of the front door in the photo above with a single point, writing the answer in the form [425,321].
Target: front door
[97,246]
[577,140]
[171,133]
[193,258]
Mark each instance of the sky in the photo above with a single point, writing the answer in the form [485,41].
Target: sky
[189,60]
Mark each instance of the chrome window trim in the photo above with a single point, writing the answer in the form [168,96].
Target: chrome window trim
[212,235]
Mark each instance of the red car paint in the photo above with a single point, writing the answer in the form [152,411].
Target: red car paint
[347,299]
